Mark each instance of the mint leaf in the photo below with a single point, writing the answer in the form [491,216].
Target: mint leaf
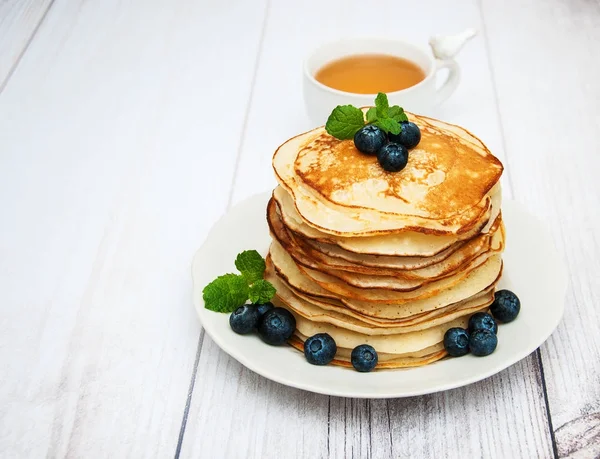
[344,122]
[385,117]
[261,291]
[226,293]
[394,110]
[371,115]
[251,265]
[382,105]
[389,125]
[397,113]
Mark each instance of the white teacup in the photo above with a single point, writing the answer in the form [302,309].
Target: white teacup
[320,100]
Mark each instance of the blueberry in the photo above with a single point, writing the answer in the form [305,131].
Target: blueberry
[320,349]
[363,358]
[409,136]
[456,341]
[506,306]
[369,139]
[263,308]
[276,326]
[393,157]
[482,321]
[244,319]
[482,342]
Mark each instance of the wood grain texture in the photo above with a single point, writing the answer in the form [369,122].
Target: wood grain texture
[494,418]
[19,19]
[504,416]
[114,164]
[236,413]
[547,72]
[113,168]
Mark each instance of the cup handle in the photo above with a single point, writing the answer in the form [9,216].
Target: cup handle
[449,85]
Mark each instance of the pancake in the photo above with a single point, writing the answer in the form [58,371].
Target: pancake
[446,173]
[487,275]
[386,279]
[385,361]
[288,244]
[345,352]
[405,243]
[398,296]
[444,189]
[390,279]
[339,258]
[405,314]
[392,344]
[393,260]
[482,298]
[477,281]
[339,318]
[374,276]
[285,264]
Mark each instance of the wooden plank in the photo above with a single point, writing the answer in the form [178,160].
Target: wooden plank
[495,418]
[19,19]
[236,413]
[114,165]
[501,417]
[547,72]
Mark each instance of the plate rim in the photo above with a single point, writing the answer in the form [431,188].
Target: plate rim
[229,348]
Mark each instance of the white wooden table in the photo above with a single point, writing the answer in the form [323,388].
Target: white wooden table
[128,127]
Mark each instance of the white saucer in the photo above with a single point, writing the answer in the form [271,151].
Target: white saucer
[532,269]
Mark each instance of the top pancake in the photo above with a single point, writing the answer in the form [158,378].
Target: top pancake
[444,188]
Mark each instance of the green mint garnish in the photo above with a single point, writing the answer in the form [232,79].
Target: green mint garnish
[388,125]
[397,113]
[346,120]
[385,117]
[371,115]
[381,105]
[261,291]
[251,265]
[228,292]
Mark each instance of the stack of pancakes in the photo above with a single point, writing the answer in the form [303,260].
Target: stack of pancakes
[387,259]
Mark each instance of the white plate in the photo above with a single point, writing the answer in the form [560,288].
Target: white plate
[532,269]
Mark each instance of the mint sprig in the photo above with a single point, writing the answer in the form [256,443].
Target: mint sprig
[346,120]
[251,265]
[382,105]
[261,291]
[228,292]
